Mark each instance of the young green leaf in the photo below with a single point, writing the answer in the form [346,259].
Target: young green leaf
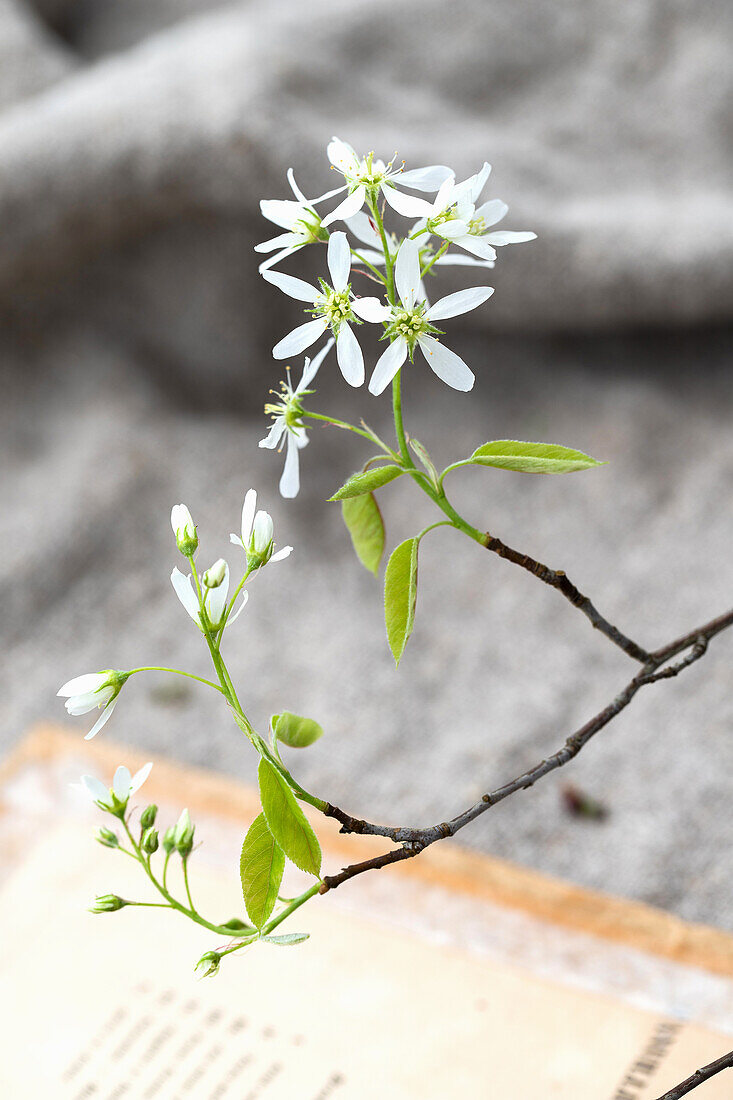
[422,454]
[261,867]
[400,595]
[295,731]
[287,939]
[287,822]
[532,458]
[366,527]
[368,481]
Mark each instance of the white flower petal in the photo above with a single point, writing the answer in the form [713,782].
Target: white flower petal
[371,309]
[425,179]
[506,237]
[263,530]
[342,155]
[95,789]
[242,604]
[446,195]
[346,209]
[248,513]
[452,229]
[282,255]
[300,338]
[294,187]
[492,212]
[363,228]
[216,599]
[457,259]
[409,206]
[388,364]
[283,240]
[310,369]
[185,593]
[122,782]
[407,272]
[296,288]
[478,182]
[339,260]
[282,554]
[272,439]
[476,245]
[448,366]
[282,212]
[81,685]
[349,356]
[290,480]
[235,539]
[366,254]
[102,720]
[140,776]
[461,302]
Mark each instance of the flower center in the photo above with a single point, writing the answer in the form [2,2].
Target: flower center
[477,227]
[288,407]
[440,219]
[409,324]
[335,306]
[309,228]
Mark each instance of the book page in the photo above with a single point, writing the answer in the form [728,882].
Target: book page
[107,1006]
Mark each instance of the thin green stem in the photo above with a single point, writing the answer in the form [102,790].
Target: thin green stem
[437,256]
[184,861]
[366,263]
[398,424]
[177,672]
[294,904]
[150,904]
[347,428]
[388,261]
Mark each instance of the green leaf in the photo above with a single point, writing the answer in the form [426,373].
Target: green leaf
[261,867]
[422,454]
[366,527]
[367,482]
[287,938]
[532,458]
[400,595]
[295,731]
[287,822]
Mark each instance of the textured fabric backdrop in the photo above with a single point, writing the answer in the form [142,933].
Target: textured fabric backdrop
[135,141]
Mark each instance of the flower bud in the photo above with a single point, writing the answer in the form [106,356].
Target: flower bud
[147,817]
[149,841]
[215,575]
[208,964]
[259,550]
[184,834]
[169,839]
[108,903]
[106,837]
[184,529]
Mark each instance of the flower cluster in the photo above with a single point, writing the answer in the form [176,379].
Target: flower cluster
[454,218]
[205,597]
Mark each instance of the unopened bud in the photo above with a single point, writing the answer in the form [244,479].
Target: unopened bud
[215,575]
[184,833]
[150,841]
[260,546]
[169,839]
[108,903]
[147,817]
[106,837]
[208,964]
[184,529]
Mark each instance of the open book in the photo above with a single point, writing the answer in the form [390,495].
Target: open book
[455,976]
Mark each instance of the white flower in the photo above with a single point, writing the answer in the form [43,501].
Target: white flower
[333,307]
[184,529]
[411,323]
[257,533]
[298,217]
[92,690]
[454,217]
[215,599]
[123,787]
[215,574]
[366,176]
[287,423]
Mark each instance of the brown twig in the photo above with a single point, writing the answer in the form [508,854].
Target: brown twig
[412,841]
[557,578]
[699,1077]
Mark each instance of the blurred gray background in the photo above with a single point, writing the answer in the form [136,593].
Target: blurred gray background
[135,142]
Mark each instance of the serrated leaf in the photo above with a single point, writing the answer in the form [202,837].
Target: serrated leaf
[295,731]
[261,867]
[287,938]
[400,596]
[367,482]
[287,822]
[532,458]
[364,522]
